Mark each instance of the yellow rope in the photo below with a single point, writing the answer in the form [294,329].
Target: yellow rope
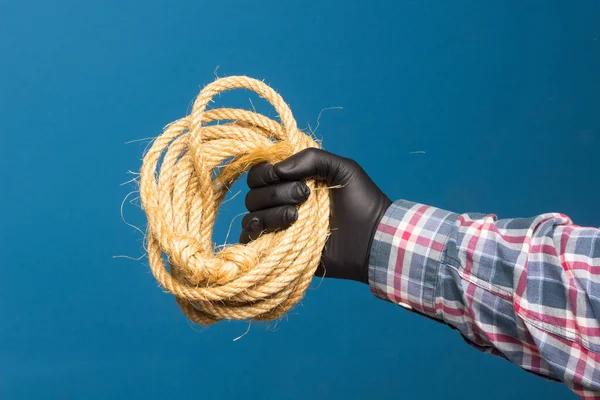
[261,280]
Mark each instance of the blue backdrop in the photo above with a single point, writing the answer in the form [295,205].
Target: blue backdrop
[500,99]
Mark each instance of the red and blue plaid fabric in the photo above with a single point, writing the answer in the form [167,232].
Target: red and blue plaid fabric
[524,289]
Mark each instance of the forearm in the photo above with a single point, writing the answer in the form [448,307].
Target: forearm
[518,288]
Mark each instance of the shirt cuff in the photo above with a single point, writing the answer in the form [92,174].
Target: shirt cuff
[408,245]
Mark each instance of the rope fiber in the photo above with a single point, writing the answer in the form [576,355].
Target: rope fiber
[184,178]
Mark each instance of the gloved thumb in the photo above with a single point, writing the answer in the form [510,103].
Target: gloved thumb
[310,163]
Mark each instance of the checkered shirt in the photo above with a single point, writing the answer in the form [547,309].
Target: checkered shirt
[525,289]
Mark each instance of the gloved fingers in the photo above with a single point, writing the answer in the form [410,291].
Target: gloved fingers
[269,220]
[286,193]
[261,175]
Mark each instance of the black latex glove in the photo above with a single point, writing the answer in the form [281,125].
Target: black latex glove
[356,207]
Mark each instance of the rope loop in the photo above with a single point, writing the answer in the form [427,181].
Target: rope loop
[184,178]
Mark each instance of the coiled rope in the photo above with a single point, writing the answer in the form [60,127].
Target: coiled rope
[201,159]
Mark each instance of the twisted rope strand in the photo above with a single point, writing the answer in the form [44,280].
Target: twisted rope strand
[261,280]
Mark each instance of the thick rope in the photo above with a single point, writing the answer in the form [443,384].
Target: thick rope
[261,280]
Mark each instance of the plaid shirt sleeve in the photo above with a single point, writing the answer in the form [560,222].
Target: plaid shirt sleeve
[527,290]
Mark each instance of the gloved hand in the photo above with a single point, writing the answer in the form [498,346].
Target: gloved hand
[356,207]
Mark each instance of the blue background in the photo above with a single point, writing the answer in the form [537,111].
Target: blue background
[503,98]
